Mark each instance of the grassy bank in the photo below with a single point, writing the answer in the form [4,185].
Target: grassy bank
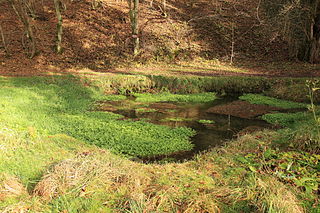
[292,89]
[57,155]
[77,177]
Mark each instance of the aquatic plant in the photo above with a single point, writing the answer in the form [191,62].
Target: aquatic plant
[206,121]
[285,119]
[265,100]
[60,105]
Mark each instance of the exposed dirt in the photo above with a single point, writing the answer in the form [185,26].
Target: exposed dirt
[242,109]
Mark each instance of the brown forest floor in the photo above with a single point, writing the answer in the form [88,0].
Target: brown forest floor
[100,39]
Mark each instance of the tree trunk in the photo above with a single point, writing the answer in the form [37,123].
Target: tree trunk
[3,40]
[57,4]
[19,8]
[311,49]
[134,17]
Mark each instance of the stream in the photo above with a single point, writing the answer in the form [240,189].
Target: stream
[213,129]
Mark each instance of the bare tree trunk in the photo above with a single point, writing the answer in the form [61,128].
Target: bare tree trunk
[134,17]
[311,50]
[57,4]
[19,8]
[314,55]
[315,51]
[3,40]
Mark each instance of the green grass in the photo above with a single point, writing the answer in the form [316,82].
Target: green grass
[65,173]
[59,105]
[265,100]
[169,97]
[27,157]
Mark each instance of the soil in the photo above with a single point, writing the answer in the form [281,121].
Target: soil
[242,109]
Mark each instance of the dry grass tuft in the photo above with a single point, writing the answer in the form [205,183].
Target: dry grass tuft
[76,174]
[276,197]
[10,186]
[20,207]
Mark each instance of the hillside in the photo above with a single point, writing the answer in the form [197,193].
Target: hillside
[97,34]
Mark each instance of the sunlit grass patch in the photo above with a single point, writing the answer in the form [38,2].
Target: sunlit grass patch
[26,155]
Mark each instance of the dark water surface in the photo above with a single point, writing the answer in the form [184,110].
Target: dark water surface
[223,129]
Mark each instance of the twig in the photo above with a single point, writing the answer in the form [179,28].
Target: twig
[258,7]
